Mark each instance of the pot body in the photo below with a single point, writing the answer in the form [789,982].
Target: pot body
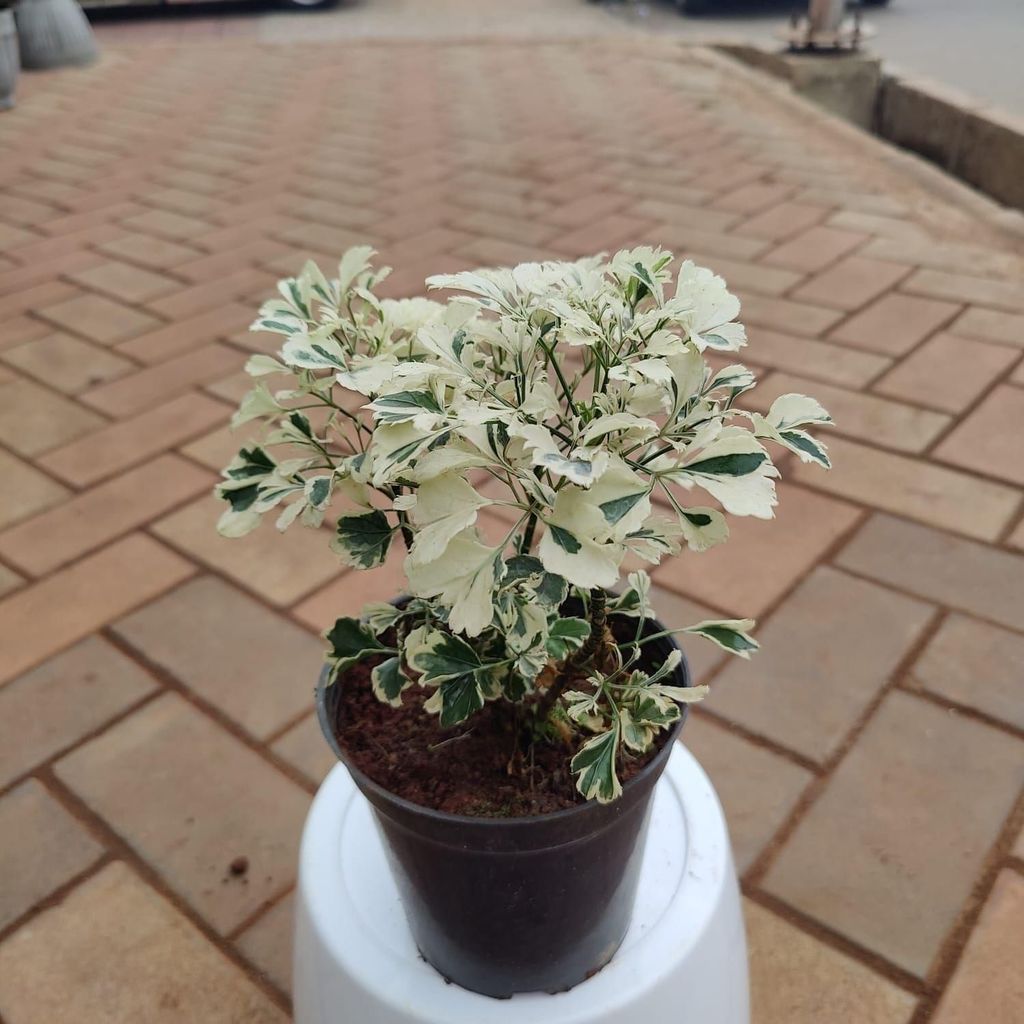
[9,61]
[54,34]
[502,906]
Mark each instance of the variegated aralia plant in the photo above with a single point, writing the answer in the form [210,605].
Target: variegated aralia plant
[572,398]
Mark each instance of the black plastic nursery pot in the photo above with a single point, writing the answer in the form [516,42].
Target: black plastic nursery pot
[527,904]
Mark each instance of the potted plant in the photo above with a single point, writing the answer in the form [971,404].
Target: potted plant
[9,61]
[509,716]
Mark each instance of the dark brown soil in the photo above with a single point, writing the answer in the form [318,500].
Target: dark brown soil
[463,770]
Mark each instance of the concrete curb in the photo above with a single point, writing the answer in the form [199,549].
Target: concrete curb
[981,127]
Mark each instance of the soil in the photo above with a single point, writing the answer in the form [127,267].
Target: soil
[462,770]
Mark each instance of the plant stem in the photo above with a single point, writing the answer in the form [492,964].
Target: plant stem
[578,661]
[527,539]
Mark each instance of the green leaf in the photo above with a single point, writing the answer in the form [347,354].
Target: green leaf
[250,462]
[615,509]
[806,447]
[564,539]
[636,735]
[443,656]
[594,767]
[729,634]
[460,697]
[301,424]
[363,540]
[240,498]
[550,588]
[350,642]
[389,681]
[566,635]
[735,464]
[404,405]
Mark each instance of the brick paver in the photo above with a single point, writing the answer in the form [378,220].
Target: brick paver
[155,720]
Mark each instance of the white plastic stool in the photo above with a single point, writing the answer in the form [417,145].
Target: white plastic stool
[683,961]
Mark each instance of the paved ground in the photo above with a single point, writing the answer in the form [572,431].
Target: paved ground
[155,679]
[970,44]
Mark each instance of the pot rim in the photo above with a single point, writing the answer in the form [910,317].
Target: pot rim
[519,821]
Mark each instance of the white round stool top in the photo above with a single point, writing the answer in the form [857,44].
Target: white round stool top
[683,959]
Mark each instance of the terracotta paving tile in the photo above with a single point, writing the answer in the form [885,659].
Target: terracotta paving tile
[889,852]
[752,276]
[268,944]
[676,219]
[149,251]
[782,221]
[895,324]
[123,444]
[795,979]
[43,847]
[347,594]
[66,363]
[974,664]
[151,778]
[16,330]
[758,788]
[174,226]
[960,287]
[675,611]
[50,615]
[805,526]
[303,746]
[607,233]
[217,448]
[682,241]
[988,985]
[281,569]
[208,295]
[814,248]
[34,419]
[47,710]
[919,490]
[487,252]
[121,954]
[138,391]
[988,440]
[187,631]
[26,491]
[816,359]
[879,224]
[785,315]
[753,197]
[851,283]
[790,691]
[890,424]
[98,318]
[11,237]
[949,570]
[947,372]
[101,514]
[189,333]
[9,580]
[958,257]
[125,282]
[990,324]
[36,297]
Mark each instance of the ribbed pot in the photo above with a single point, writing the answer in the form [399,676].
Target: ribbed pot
[9,62]
[507,905]
[53,34]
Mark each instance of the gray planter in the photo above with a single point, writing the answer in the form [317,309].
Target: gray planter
[53,33]
[9,62]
